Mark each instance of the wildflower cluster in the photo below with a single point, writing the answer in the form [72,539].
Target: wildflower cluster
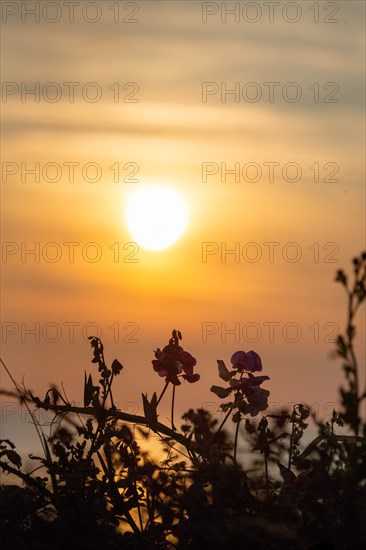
[249,397]
[172,361]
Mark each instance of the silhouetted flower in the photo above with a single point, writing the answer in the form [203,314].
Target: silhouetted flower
[249,397]
[246,361]
[173,361]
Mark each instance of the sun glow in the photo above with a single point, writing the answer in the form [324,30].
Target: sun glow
[156,216]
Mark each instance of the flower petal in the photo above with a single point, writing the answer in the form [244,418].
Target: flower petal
[254,362]
[186,359]
[192,379]
[238,357]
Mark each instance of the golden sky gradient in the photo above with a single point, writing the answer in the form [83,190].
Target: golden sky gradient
[168,134]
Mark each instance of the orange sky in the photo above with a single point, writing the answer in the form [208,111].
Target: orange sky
[169,133]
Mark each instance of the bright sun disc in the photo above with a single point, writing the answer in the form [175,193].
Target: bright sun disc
[156,216]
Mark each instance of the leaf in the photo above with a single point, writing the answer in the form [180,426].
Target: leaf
[341,346]
[116,367]
[249,428]
[14,458]
[220,392]
[150,411]
[286,474]
[88,390]
[224,373]
[236,417]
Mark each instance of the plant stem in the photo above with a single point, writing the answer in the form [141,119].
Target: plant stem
[236,441]
[137,495]
[228,414]
[266,468]
[290,450]
[109,391]
[23,399]
[352,357]
[173,400]
[223,422]
[162,393]
[28,480]
[111,413]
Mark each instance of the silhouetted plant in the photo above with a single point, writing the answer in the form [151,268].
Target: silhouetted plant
[96,488]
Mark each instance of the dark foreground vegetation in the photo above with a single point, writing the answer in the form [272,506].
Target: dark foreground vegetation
[96,488]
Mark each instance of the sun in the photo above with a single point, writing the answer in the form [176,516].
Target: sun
[156,216]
